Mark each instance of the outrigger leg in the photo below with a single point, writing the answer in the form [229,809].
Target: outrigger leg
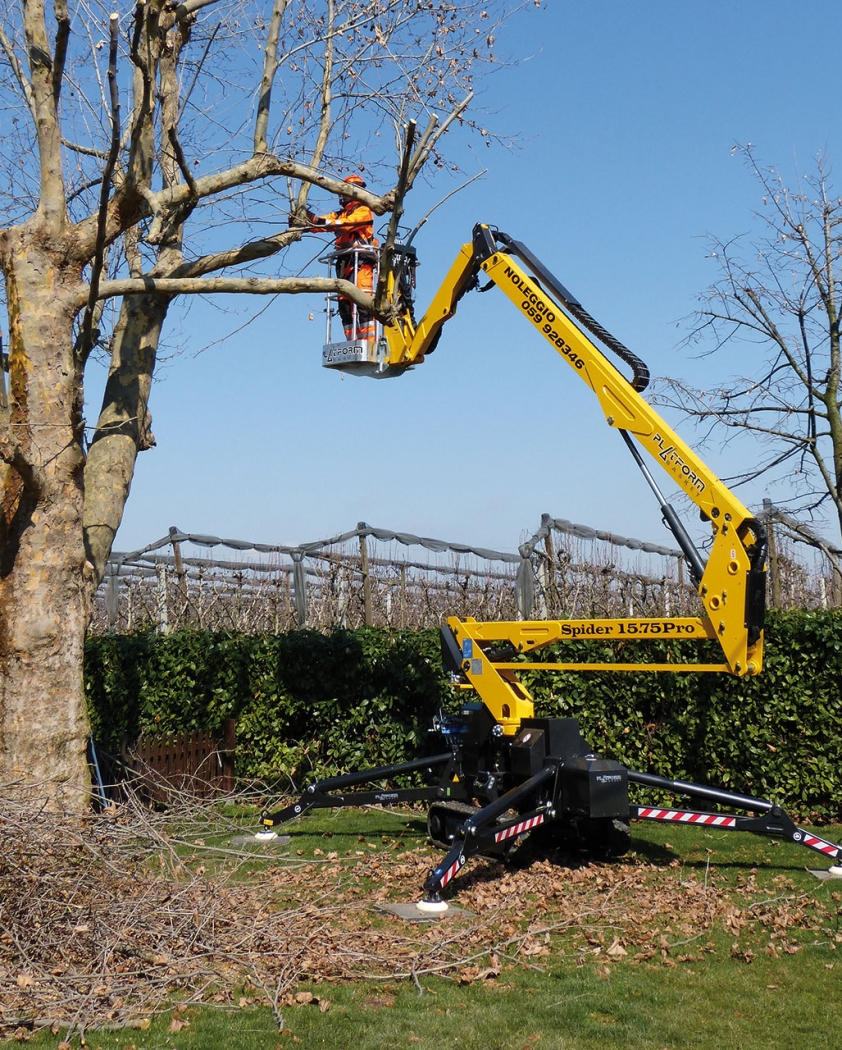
[327,794]
[768,819]
[484,832]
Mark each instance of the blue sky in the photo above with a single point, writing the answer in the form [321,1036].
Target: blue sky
[627,115]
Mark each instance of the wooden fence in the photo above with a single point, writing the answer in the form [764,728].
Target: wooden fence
[197,763]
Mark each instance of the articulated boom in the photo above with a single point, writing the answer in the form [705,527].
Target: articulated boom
[731,583]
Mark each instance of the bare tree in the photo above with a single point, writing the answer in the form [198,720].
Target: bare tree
[111,209]
[775,310]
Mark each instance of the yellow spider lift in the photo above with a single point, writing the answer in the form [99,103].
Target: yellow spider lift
[502,773]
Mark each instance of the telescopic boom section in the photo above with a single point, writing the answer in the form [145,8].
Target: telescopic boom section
[731,582]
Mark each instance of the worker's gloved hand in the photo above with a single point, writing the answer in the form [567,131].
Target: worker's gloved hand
[296,220]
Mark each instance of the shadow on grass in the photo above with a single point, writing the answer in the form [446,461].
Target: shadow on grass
[412,830]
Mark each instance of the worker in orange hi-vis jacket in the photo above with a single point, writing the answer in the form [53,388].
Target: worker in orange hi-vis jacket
[353,225]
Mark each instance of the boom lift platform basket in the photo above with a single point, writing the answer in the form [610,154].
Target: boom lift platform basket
[363,349]
[495,773]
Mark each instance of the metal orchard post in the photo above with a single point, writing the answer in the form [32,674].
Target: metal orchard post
[369,619]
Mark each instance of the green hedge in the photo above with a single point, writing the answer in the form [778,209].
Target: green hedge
[305,703]
[312,704]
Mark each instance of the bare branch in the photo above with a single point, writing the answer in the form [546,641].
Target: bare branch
[102,217]
[252,170]
[198,70]
[21,77]
[52,203]
[425,218]
[234,286]
[62,38]
[270,68]
[431,137]
[184,167]
[326,100]
[191,7]
[246,253]
[381,292]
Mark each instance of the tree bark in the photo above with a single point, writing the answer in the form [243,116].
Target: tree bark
[124,427]
[45,577]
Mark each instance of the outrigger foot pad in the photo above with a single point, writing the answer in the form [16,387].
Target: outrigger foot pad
[432,907]
[833,872]
[261,838]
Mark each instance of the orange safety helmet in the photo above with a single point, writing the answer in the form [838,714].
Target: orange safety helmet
[355,180]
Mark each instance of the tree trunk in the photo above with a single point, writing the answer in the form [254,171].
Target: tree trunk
[45,578]
[124,425]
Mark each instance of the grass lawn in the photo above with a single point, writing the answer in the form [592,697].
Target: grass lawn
[698,939]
